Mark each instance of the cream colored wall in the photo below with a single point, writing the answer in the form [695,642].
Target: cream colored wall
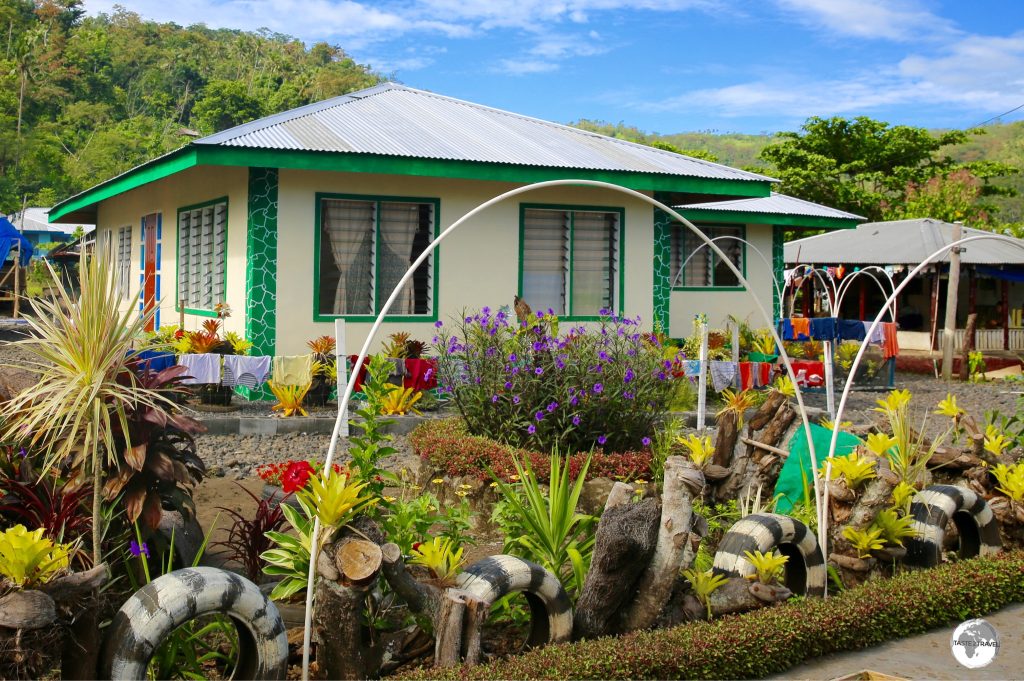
[478,263]
[192,186]
[717,305]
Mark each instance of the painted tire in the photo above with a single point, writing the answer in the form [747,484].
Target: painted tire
[932,509]
[157,609]
[550,608]
[806,573]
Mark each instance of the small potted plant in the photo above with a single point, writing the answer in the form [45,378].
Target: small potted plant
[325,370]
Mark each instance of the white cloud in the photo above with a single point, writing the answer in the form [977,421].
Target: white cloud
[975,76]
[523,67]
[901,20]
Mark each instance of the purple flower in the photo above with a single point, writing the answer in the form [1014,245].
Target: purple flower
[513,357]
[627,395]
[628,378]
[667,363]
[539,416]
[137,549]
[22,453]
[601,440]
[515,399]
[438,324]
[532,429]
[508,385]
[603,356]
[494,398]
[552,407]
[469,319]
[490,352]
[538,346]
[598,387]
[486,311]
[604,312]
[662,375]
[538,371]
[646,442]
[574,400]
[429,372]
[576,420]
[540,315]
[559,363]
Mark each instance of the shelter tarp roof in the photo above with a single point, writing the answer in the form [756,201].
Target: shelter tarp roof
[9,235]
[900,242]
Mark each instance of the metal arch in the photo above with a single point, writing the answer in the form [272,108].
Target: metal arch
[822,514]
[844,286]
[733,238]
[364,351]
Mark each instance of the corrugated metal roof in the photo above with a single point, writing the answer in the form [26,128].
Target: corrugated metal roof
[35,220]
[776,204]
[899,242]
[395,120]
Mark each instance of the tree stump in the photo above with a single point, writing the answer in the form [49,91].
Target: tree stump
[725,442]
[625,541]
[682,482]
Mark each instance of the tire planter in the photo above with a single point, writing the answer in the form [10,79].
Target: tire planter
[933,508]
[157,609]
[806,573]
[550,608]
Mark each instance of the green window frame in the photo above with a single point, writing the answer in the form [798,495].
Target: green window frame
[705,271]
[201,257]
[576,253]
[375,253]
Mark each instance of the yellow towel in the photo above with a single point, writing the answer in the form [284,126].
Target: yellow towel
[293,370]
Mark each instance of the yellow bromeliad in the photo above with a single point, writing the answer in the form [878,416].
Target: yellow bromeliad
[399,401]
[440,556]
[28,559]
[289,398]
[699,448]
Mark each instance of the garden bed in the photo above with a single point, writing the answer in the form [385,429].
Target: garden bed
[775,639]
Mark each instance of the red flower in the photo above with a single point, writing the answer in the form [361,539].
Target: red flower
[179,334]
[296,477]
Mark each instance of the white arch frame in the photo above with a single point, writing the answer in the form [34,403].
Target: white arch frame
[757,250]
[827,282]
[364,352]
[845,284]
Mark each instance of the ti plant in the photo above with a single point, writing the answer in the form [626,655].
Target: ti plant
[247,538]
[769,568]
[864,541]
[908,455]
[855,469]
[28,559]
[895,528]
[699,448]
[704,584]
[442,556]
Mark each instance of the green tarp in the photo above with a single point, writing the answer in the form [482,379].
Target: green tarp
[797,468]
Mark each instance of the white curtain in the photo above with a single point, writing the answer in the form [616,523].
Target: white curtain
[545,259]
[348,227]
[399,223]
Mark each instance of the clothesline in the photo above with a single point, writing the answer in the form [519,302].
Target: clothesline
[835,329]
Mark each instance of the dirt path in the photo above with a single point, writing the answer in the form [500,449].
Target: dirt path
[927,656]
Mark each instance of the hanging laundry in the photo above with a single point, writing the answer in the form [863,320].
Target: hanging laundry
[155,360]
[203,368]
[722,375]
[850,329]
[786,329]
[244,370]
[824,328]
[691,368]
[746,371]
[762,374]
[875,337]
[293,370]
[801,328]
[890,346]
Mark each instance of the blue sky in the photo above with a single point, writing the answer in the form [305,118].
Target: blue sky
[670,65]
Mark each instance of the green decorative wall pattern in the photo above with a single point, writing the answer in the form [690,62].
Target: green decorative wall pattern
[261,268]
[661,266]
[778,267]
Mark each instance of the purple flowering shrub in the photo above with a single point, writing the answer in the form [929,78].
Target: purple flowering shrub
[525,384]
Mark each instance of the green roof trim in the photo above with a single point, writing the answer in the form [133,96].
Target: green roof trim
[197,155]
[750,217]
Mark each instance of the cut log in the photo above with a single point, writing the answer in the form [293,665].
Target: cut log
[725,441]
[968,343]
[77,583]
[768,448]
[623,546]
[851,563]
[476,614]
[734,596]
[81,654]
[953,458]
[673,534]
[770,593]
[342,652]
[358,560]
[448,629]
[621,494]
[27,609]
[420,597]
[766,411]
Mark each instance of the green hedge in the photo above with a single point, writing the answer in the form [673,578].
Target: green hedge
[772,640]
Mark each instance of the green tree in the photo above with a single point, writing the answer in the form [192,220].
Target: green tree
[866,166]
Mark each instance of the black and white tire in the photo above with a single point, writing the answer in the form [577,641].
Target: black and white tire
[497,576]
[153,612]
[806,573]
[932,509]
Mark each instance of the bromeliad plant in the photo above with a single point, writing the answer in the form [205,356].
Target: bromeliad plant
[289,398]
[699,448]
[550,531]
[704,583]
[399,401]
[28,559]
[864,541]
[908,455]
[769,568]
[528,386]
[442,556]
[854,469]
[894,527]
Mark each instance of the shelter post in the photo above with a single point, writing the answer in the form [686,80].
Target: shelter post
[952,287]
[1004,290]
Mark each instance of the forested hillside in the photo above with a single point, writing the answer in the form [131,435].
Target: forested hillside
[85,98]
